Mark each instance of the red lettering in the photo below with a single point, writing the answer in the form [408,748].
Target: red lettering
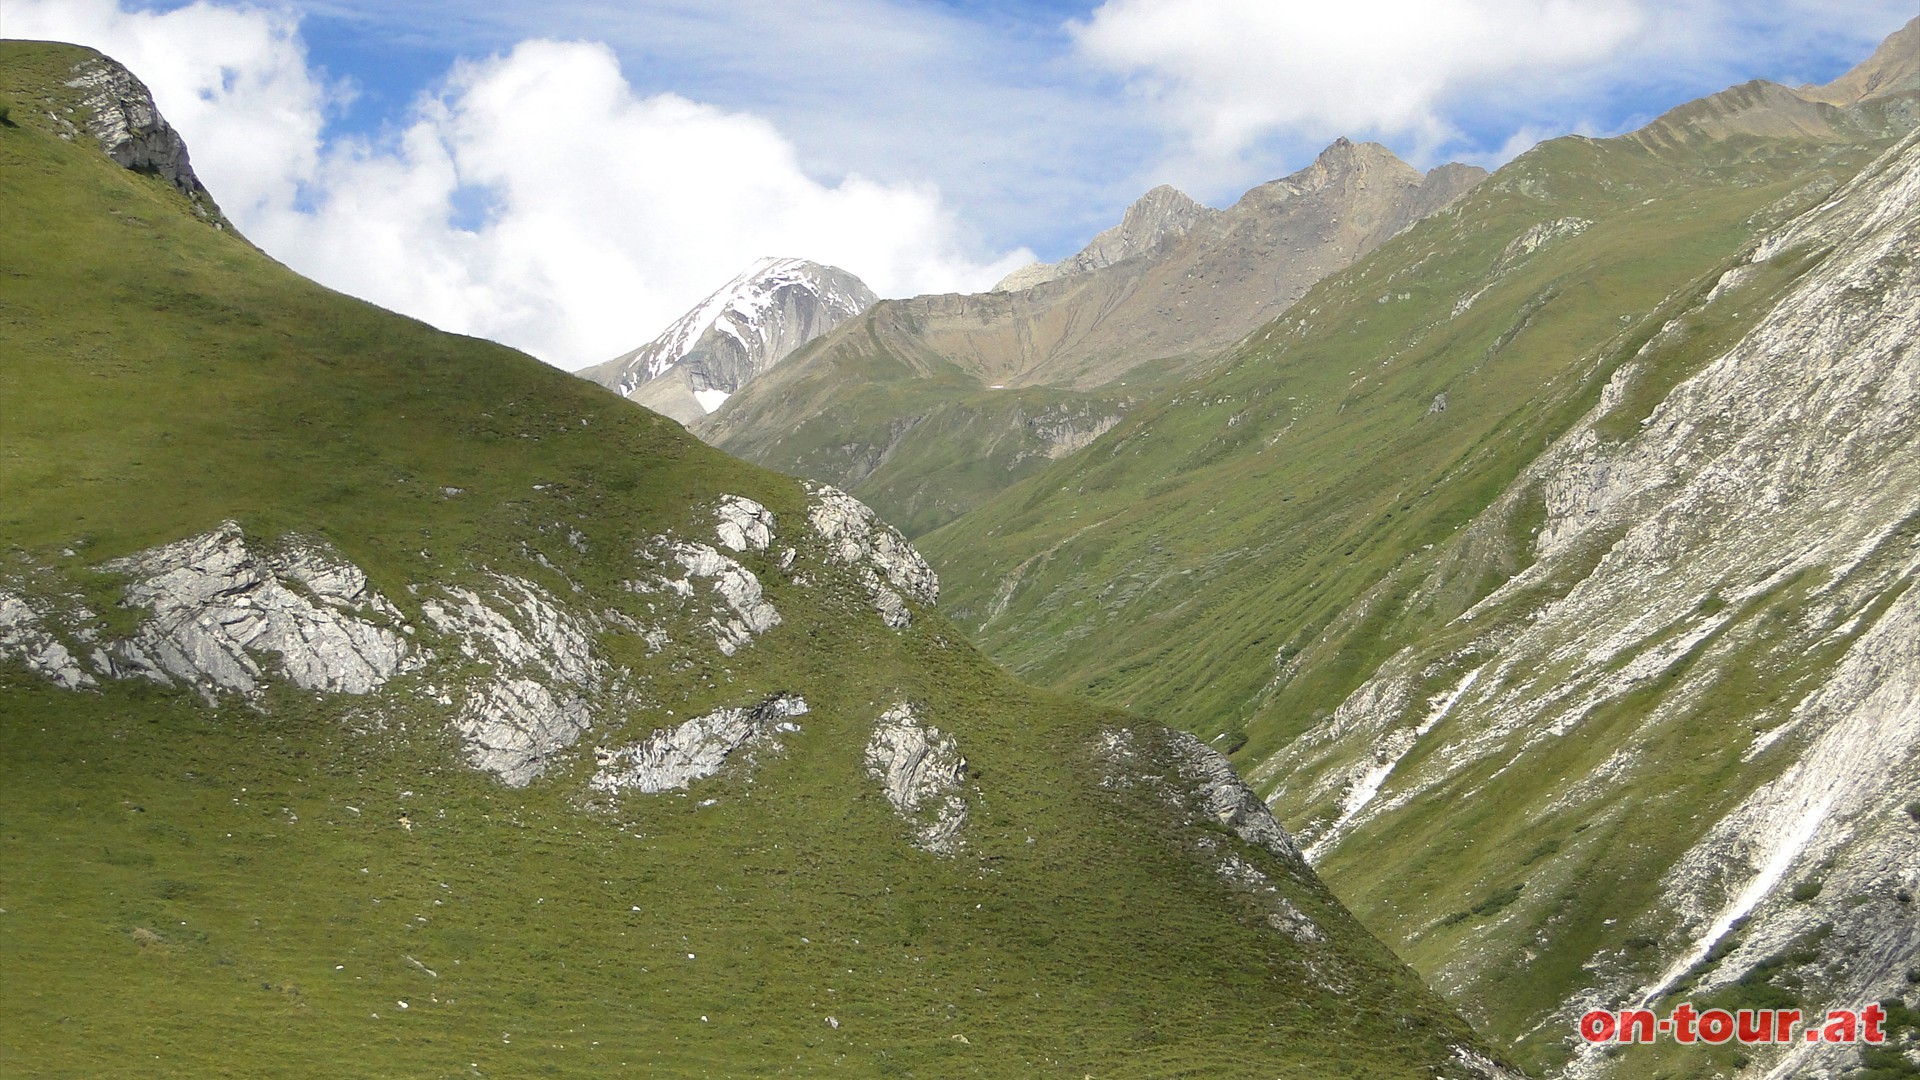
[1597,1026]
[1784,1022]
[1756,1025]
[1872,1015]
[1716,1026]
[1842,1027]
[1683,1017]
[1636,1025]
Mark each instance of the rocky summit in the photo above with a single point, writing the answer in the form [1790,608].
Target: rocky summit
[733,336]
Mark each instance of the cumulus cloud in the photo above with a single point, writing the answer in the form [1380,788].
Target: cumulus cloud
[533,198]
[1231,80]
[1229,72]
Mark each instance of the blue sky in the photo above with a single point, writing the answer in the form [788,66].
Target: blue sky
[568,176]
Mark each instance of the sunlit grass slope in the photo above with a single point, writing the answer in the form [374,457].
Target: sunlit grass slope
[315,885]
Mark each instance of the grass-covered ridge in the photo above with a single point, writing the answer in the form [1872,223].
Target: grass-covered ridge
[306,883]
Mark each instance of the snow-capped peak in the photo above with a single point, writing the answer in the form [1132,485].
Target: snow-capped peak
[741,329]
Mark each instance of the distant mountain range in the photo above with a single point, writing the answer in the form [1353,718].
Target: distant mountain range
[928,405]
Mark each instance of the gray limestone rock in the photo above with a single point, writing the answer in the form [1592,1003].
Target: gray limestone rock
[1201,786]
[923,776]
[129,128]
[673,758]
[744,525]
[737,609]
[1223,796]
[891,571]
[221,610]
[24,637]
[539,671]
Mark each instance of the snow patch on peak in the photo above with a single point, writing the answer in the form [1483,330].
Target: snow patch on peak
[740,329]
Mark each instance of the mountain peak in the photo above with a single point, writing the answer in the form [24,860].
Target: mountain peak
[1159,215]
[741,329]
[1893,67]
[1345,159]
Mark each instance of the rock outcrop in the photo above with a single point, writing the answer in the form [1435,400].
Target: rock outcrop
[537,672]
[222,610]
[923,775]
[123,119]
[674,758]
[890,570]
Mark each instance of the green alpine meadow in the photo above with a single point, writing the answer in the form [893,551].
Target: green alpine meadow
[1406,623]
[379,701]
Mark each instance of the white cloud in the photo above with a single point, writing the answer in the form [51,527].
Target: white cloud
[1228,73]
[1239,83]
[604,213]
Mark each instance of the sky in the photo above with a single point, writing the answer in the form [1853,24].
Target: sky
[569,176]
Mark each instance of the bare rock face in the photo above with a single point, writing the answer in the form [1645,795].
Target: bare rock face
[923,775]
[538,672]
[1761,514]
[1202,786]
[736,606]
[889,567]
[128,126]
[744,525]
[672,759]
[24,637]
[221,609]
[747,326]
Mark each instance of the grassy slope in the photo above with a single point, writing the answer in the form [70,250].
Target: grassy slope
[917,436]
[1244,552]
[1224,526]
[229,892]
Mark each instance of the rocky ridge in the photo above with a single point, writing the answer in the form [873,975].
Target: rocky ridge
[121,116]
[1761,516]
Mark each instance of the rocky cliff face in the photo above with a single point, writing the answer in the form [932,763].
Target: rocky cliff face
[120,115]
[1555,564]
[746,327]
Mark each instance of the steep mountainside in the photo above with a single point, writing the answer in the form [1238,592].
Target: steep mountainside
[912,405]
[748,325]
[378,700]
[1551,569]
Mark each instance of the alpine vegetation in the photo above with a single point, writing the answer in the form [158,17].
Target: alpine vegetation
[378,700]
